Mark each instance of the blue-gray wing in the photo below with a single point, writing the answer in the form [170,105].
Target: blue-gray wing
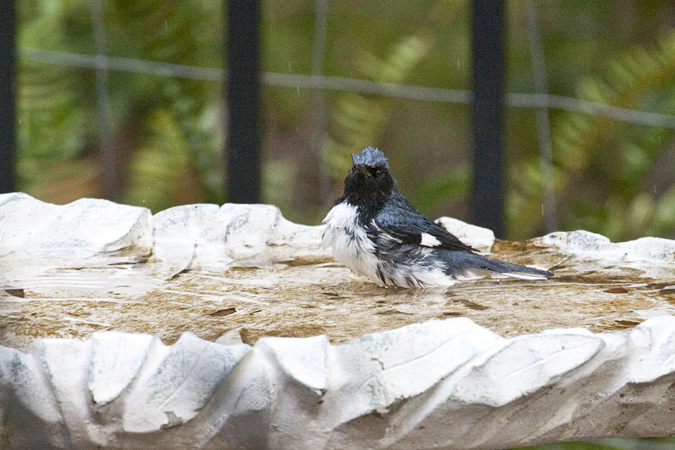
[404,223]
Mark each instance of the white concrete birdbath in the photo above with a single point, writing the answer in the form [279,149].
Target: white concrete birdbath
[229,327]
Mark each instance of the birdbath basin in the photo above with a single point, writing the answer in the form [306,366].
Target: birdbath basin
[209,326]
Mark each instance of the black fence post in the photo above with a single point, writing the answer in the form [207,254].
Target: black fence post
[243,100]
[7,97]
[488,72]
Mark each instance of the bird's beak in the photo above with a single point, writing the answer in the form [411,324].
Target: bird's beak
[360,168]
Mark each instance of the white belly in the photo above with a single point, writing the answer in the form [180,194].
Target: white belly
[349,242]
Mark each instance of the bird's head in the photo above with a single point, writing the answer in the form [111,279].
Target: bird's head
[369,181]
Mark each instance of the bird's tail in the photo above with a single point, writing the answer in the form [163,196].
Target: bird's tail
[461,264]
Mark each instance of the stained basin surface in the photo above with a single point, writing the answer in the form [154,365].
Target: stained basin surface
[298,290]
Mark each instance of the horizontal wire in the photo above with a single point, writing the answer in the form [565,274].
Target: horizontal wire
[299,81]
[367,87]
[121,64]
[592,108]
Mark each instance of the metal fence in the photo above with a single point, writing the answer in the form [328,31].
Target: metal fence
[242,13]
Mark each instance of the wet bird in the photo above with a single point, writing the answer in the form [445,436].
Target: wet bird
[377,233]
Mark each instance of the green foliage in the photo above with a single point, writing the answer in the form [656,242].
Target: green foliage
[161,168]
[360,118]
[54,115]
[624,201]
[436,190]
[59,140]
[609,175]
[57,113]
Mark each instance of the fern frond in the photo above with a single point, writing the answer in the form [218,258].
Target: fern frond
[606,183]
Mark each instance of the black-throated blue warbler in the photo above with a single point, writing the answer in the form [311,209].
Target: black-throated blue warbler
[377,233]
